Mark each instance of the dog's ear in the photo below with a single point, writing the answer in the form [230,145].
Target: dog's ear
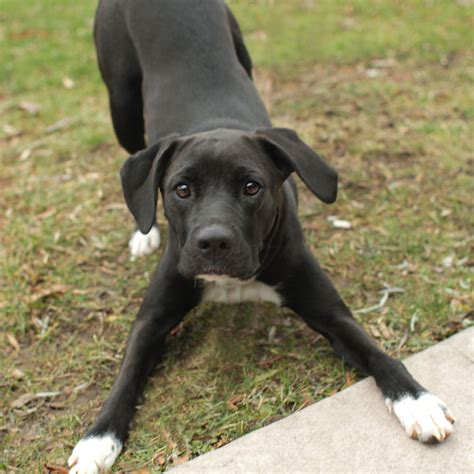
[140,176]
[292,154]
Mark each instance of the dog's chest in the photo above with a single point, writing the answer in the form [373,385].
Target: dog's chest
[236,291]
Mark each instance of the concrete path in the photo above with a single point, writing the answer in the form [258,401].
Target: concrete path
[352,431]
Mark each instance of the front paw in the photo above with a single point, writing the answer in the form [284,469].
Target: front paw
[425,417]
[94,453]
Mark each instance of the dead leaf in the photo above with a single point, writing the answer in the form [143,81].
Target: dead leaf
[46,214]
[68,83]
[57,289]
[272,334]
[23,400]
[25,154]
[28,397]
[339,223]
[160,460]
[349,23]
[115,206]
[258,35]
[47,394]
[448,261]
[234,401]
[59,125]
[385,330]
[268,362]
[11,131]
[13,342]
[176,330]
[31,107]
[53,468]
[18,374]
[385,63]
[181,460]
[307,401]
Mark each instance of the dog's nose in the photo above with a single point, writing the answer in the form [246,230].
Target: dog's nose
[214,241]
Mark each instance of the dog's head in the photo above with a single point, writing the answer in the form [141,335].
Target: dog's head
[221,191]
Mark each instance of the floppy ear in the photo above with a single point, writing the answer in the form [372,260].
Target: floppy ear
[140,176]
[292,154]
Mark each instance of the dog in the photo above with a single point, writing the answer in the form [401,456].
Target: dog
[179,74]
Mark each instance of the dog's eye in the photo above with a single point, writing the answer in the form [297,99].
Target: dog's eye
[183,190]
[251,188]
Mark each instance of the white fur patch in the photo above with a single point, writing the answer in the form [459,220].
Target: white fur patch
[143,244]
[425,418]
[221,289]
[94,453]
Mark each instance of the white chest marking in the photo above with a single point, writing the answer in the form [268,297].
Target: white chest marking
[231,290]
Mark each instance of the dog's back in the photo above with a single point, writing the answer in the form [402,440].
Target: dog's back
[192,79]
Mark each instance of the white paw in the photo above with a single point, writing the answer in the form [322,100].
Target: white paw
[93,454]
[425,417]
[143,244]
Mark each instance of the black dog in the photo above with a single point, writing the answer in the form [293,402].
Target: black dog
[178,72]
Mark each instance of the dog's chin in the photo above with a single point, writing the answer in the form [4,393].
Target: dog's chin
[211,274]
[213,277]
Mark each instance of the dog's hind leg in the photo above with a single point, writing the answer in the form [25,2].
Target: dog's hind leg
[240,48]
[121,72]
[309,292]
[168,299]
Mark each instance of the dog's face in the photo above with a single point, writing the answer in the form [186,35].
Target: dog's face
[220,195]
[221,191]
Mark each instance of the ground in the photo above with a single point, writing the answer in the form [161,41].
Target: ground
[383,89]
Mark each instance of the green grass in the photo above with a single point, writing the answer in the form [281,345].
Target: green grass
[400,137]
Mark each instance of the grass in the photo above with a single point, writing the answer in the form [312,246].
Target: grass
[398,130]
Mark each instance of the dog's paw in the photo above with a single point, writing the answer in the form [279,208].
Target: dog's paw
[94,453]
[143,244]
[425,417]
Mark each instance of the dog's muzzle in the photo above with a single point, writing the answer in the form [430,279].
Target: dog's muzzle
[214,242]
[217,249]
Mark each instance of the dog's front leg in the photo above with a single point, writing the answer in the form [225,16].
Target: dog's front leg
[309,292]
[168,299]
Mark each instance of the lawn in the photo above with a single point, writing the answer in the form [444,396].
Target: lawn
[383,89]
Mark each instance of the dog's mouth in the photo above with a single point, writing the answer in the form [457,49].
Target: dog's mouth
[242,265]
[217,272]
[215,275]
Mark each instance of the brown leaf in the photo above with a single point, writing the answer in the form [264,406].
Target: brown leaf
[53,468]
[13,342]
[31,107]
[52,290]
[385,330]
[11,131]
[176,330]
[23,400]
[160,459]
[268,361]
[307,401]
[59,125]
[68,83]
[181,460]
[349,380]
[18,374]
[233,401]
